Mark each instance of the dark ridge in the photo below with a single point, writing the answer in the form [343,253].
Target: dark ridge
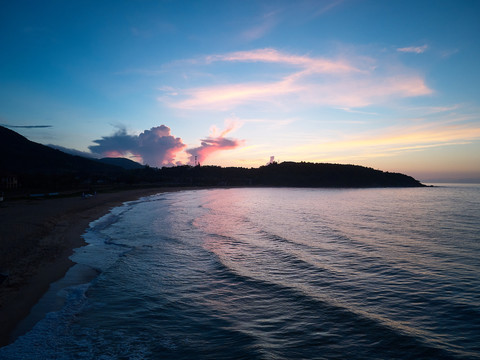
[20,155]
[31,167]
[38,166]
[331,175]
[289,174]
[126,164]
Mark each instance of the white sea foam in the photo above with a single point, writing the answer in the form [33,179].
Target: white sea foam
[100,252]
[39,335]
[51,333]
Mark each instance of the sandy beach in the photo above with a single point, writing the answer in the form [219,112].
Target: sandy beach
[36,239]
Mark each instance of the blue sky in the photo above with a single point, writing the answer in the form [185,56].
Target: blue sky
[392,85]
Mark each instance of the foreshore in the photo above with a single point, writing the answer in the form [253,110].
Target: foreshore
[36,239]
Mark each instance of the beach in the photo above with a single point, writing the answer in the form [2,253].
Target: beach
[36,239]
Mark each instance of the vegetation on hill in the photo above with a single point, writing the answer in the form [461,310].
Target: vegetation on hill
[291,174]
[126,164]
[41,168]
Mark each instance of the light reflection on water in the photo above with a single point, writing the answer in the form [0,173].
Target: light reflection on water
[281,273]
[382,254]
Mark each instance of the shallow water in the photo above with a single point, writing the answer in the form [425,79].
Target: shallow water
[274,274]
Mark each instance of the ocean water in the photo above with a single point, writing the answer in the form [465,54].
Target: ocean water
[271,273]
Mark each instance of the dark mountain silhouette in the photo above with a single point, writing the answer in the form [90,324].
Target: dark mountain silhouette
[126,164]
[331,175]
[40,167]
[37,166]
[20,155]
[72,151]
[291,174]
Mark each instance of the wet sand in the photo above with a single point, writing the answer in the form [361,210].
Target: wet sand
[36,239]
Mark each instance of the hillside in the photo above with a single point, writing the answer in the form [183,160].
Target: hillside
[20,155]
[126,164]
[291,174]
[331,175]
[38,166]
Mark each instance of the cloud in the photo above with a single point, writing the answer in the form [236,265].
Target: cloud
[311,80]
[266,23]
[346,109]
[323,8]
[27,126]
[414,49]
[231,124]
[169,90]
[429,110]
[298,11]
[227,96]
[209,146]
[215,143]
[155,147]
[448,53]
[344,93]
[395,140]
[312,65]
[365,91]
[71,151]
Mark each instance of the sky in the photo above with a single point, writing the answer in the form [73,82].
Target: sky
[393,85]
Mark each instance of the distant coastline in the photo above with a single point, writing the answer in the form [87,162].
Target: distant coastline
[29,168]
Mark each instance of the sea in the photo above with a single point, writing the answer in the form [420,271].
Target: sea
[270,273]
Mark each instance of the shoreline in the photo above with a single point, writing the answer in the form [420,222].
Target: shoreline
[36,241]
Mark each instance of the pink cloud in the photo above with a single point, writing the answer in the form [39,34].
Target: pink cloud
[112,153]
[315,81]
[349,92]
[231,124]
[414,49]
[227,96]
[209,146]
[314,65]
[156,147]
[355,93]
[214,144]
